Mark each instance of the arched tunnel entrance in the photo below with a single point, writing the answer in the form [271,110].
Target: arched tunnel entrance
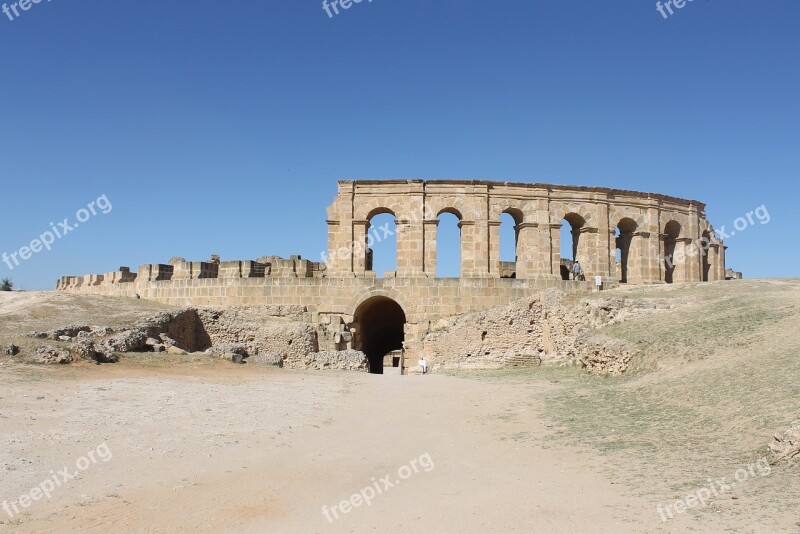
[381,325]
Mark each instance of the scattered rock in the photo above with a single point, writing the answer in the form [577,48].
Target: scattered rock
[344,360]
[270,359]
[786,444]
[51,355]
[87,350]
[238,358]
[12,350]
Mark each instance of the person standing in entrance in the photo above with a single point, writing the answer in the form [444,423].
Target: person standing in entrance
[423,365]
[577,271]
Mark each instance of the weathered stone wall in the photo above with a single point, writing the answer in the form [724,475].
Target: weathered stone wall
[543,329]
[281,330]
[652,228]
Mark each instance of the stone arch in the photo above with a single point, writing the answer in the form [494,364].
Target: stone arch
[577,223]
[705,247]
[374,236]
[452,211]
[444,236]
[380,210]
[672,232]
[509,264]
[379,323]
[626,228]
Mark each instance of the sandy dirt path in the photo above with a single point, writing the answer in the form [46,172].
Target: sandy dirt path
[249,450]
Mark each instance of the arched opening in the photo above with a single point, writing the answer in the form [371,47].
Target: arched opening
[510,220]
[705,243]
[625,230]
[570,238]
[381,242]
[672,231]
[448,244]
[380,331]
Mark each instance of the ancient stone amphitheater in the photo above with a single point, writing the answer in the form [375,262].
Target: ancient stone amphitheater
[620,237]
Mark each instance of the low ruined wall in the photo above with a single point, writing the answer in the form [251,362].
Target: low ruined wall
[544,329]
[420,298]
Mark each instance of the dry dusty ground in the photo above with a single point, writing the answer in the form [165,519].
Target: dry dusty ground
[196,445]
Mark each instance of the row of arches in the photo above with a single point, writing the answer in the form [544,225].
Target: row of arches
[382,244]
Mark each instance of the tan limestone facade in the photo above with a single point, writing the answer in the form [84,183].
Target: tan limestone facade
[619,236]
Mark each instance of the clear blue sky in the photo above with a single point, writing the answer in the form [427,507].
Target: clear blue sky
[222,127]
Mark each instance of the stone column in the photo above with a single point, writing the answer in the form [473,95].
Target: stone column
[468,249]
[649,253]
[481,236]
[555,249]
[589,252]
[361,242]
[680,259]
[693,261]
[430,233]
[637,258]
[711,259]
[527,250]
[604,256]
[615,274]
[494,249]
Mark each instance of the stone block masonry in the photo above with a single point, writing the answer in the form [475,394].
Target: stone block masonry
[619,236]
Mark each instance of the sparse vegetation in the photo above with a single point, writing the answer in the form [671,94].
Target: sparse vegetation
[6,284]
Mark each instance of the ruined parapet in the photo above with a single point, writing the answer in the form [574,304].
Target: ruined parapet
[294,267]
[93,279]
[194,270]
[155,272]
[243,269]
[74,282]
[730,274]
[122,276]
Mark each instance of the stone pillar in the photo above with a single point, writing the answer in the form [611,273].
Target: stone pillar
[430,233]
[410,260]
[590,252]
[468,249]
[604,256]
[649,254]
[494,249]
[481,239]
[638,258]
[680,259]
[361,243]
[711,259]
[527,250]
[694,260]
[615,274]
[555,249]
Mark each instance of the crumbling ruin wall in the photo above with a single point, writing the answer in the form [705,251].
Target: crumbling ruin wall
[273,332]
[544,329]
